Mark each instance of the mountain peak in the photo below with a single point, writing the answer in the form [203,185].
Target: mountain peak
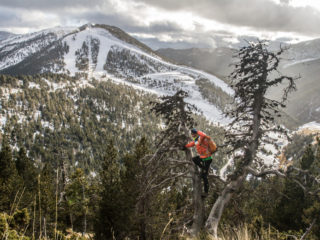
[106,52]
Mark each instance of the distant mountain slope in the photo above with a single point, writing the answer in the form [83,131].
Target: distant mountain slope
[19,48]
[308,50]
[5,35]
[106,52]
[215,61]
[304,104]
[300,59]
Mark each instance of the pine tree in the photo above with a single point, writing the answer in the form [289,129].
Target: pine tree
[134,182]
[46,197]
[177,116]
[253,117]
[112,218]
[28,172]
[307,158]
[288,212]
[311,212]
[77,195]
[10,182]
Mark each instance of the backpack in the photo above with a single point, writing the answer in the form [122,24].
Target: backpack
[212,146]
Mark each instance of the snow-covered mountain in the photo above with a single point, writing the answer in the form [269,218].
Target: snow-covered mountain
[303,52]
[5,35]
[105,52]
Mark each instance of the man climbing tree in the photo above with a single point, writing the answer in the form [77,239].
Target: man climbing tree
[201,142]
[177,116]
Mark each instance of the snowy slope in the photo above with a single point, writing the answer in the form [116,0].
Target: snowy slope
[98,52]
[304,50]
[162,77]
[17,48]
[309,128]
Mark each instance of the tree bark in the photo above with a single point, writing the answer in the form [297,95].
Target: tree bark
[142,220]
[218,207]
[249,154]
[198,203]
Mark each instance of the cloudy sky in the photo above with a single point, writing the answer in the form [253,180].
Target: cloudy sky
[172,23]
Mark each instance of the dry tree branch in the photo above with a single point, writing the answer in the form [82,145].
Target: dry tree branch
[308,230]
[266,172]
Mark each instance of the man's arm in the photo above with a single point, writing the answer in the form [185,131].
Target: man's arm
[190,144]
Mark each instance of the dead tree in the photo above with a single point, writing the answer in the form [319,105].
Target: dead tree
[178,120]
[253,118]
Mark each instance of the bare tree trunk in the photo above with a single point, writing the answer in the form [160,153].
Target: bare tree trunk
[71,221]
[198,203]
[45,228]
[250,153]
[308,230]
[198,218]
[142,221]
[39,195]
[56,206]
[85,213]
[218,207]
[34,217]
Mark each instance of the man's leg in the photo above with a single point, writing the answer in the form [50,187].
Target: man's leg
[204,175]
[197,161]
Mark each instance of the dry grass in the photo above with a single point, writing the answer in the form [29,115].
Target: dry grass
[243,233]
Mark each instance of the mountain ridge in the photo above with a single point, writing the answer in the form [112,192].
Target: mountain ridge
[106,52]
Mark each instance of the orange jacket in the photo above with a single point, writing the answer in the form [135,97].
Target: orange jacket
[201,144]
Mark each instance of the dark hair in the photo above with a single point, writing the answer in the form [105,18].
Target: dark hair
[193,130]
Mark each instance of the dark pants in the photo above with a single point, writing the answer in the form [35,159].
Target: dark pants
[204,165]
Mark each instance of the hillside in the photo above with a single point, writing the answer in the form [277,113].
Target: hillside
[102,51]
[57,116]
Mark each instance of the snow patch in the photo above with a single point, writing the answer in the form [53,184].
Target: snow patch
[299,61]
[313,126]
[54,86]
[34,85]
[3,120]
[47,124]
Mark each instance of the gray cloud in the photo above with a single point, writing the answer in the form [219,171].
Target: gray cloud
[183,39]
[285,1]
[259,14]
[7,17]
[165,27]
[125,22]
[51,5]
[256,14]
[156,44]
[121,21]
